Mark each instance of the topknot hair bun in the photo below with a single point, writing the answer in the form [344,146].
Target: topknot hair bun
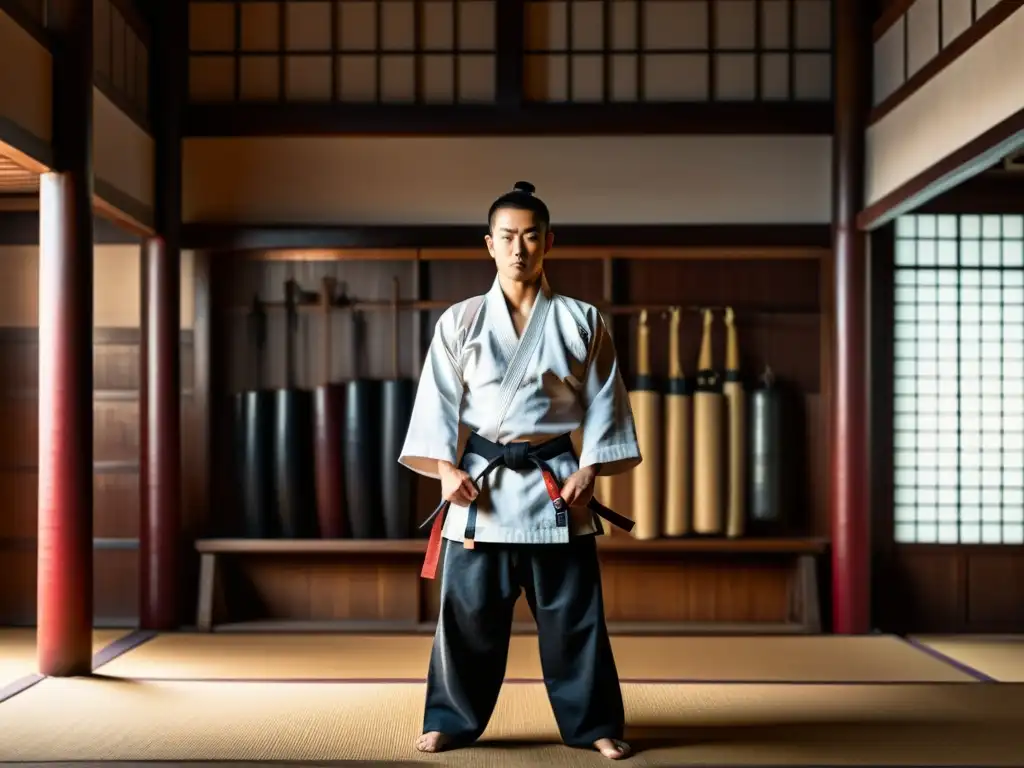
[524,187]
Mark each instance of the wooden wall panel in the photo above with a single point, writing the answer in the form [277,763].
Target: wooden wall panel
[19,490]
[116,431]
[116,505]
[116,586]
[19,448]
[950,589]
[266,279]
[18,587]
[116,377]
[779,307]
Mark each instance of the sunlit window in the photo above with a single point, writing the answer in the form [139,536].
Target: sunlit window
[959,379]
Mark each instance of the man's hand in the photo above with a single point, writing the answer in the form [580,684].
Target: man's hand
[456,484]
[578,488]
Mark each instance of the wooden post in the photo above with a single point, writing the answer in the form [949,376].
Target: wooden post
[65,567]
[160,437]
[161,572]
[851,555]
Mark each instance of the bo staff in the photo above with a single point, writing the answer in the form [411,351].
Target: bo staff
[397,397]
[329,415]
[707,440]
[678,436]
[734,396]
[646,403]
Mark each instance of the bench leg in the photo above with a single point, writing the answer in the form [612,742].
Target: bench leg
[207,591]
[807,574]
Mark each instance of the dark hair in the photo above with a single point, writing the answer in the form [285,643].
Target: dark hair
[520,198]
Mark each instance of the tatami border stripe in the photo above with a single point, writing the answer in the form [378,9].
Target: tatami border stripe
[21,684]
[121,646]
[403,763]
[940,656]
[105,655]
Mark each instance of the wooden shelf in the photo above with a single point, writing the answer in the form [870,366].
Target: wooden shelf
[312,546]
[611,544]
[661,586]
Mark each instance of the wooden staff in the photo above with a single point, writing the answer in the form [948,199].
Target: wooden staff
[678,437]
[708,423]
[646,403]
[735,399]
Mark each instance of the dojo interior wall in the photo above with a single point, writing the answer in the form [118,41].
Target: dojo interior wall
[603,180]
[918,126]
[788,331]
[26,74]
[923,587]
[116,373]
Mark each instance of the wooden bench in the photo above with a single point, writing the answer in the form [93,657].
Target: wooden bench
[664,586]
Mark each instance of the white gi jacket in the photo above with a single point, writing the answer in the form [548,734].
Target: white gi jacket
[560,376]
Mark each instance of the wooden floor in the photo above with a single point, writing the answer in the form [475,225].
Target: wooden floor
[821,700]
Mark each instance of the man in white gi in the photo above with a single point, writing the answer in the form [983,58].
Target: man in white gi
[520,405]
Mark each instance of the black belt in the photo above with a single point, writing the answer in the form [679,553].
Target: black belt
[520,456]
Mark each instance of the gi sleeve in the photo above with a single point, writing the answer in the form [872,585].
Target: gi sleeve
[607,427]
[433,431]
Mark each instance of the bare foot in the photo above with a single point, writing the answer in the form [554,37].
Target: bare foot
[433,741]
[612,748]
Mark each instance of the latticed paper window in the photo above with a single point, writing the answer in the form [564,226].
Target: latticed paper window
[353,51]
[959,379]
[678,50]
[446,51]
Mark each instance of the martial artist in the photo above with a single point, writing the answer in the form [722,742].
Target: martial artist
[520,405]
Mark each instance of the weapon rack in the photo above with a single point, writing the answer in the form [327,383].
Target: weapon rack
[781,301]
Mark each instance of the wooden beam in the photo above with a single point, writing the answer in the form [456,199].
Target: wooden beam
[160,481]
[269,237]
[21,227]
[160,438]
[720,118]
[948,172]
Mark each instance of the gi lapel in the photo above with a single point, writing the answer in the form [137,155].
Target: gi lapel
[520,350]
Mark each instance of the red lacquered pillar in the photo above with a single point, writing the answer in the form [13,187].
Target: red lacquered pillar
[851,555]
[160,436]
[64,568]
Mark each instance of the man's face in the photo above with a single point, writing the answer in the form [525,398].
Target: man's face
[518,244]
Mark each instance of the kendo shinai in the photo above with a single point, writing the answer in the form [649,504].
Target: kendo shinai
[519,406]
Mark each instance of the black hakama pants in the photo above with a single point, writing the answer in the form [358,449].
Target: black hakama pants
[479,589]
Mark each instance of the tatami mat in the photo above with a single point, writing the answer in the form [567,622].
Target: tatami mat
[98,719]
[817,659]
[18,650]
[1000,657]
